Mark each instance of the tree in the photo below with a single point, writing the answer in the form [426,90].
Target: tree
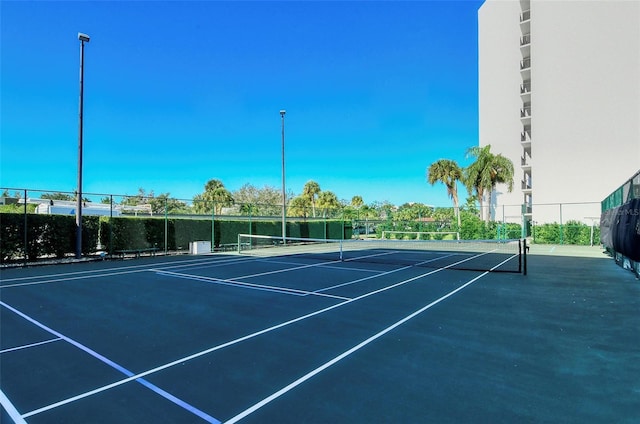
[448,173]
[328,201]
[57,196]
[356,201]
[310,191]
[488,170]
[255,201]
[142,198]
[164,204]
[298,207]
[214,198]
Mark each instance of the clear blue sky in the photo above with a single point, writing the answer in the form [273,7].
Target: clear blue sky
[177,93]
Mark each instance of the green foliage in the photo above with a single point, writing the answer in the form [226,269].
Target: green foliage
[57,196]
[299,207]
[253,201]
[16,208]
[573,232]
[214,198]
[47,236]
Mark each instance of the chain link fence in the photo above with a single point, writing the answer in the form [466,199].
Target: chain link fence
[39,224]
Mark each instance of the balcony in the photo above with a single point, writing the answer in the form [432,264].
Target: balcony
[525,185]
[525,68]
[525,45]
[525,87]
[525,16]
[525,138]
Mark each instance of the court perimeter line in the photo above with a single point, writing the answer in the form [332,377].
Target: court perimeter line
[357,347]
[11,410]
[96,273]
[29,345]
[252,286]
[244,338]
[112,364]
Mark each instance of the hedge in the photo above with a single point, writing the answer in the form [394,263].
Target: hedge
[47,236]
[54,235]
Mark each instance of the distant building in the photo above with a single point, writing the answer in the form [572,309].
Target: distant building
[65,207]
[559,94]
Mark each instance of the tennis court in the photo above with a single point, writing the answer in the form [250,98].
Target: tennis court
[293,337]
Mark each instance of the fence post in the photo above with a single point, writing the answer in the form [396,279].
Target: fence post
[166,225]
[561,229]
[111,225]
[213,226]
[26,237]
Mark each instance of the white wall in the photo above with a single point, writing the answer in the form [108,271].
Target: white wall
[585,99]
[499,89]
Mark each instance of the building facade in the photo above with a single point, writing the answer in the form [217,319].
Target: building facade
[559,95]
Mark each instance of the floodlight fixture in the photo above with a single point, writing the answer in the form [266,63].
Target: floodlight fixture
[83,37]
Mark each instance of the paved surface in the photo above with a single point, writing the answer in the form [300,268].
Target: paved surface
[224,338]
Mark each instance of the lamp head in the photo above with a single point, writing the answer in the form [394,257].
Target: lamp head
[83,37]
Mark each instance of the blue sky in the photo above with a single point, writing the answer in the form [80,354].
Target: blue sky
[177,93]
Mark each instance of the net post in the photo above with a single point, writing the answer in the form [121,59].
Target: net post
[341,250]
[520,255]
[238,243]
[524,256]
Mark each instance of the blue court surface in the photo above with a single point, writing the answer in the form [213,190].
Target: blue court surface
[292,339]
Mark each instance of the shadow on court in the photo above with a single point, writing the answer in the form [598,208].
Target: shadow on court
[226,338]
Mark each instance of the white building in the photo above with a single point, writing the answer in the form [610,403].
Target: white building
[559,94]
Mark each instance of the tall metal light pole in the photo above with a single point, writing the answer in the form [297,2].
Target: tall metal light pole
[83,38]
[284,196]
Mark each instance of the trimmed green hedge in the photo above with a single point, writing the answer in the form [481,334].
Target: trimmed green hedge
[47,235]
[573,232]
[55,235]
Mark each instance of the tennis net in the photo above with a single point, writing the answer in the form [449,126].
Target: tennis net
[473,255]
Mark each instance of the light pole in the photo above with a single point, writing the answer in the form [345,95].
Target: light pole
[284,196]
[83,38]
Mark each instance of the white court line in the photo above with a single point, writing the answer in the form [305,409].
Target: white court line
[321,265]
[252,286]
[29,345]
[11,410]
[343,355]
[240,339]
[78,275]
[357,347]
[110,363]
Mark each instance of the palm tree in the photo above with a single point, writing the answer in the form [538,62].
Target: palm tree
[488,170]
[310,191]
[214,198]
[356,201]
[329,202]
[449,173]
